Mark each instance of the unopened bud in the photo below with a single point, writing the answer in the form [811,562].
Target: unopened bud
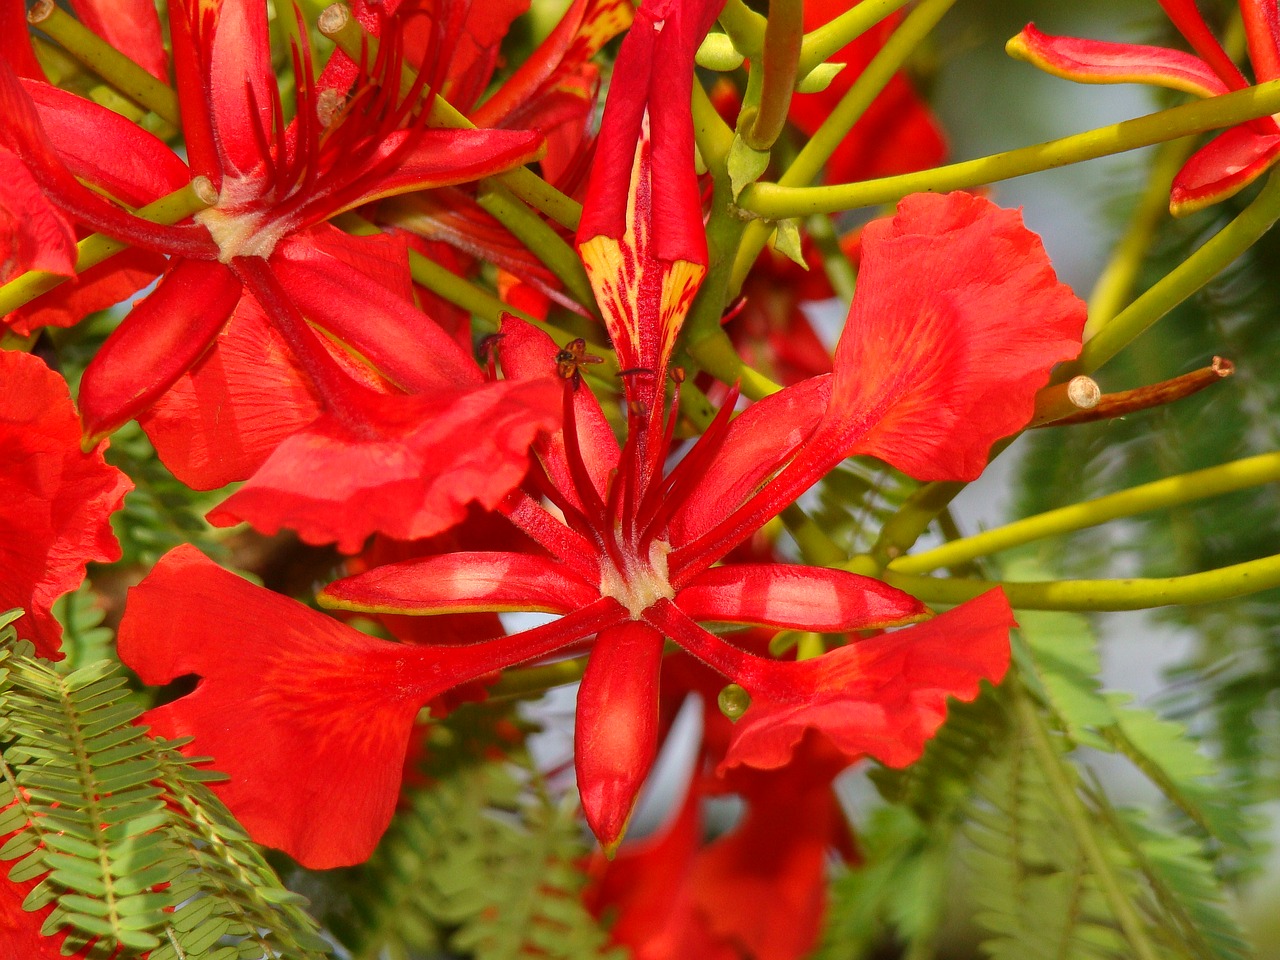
[733,701]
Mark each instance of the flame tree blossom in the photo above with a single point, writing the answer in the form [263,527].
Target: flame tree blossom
[944,368]
[957,321]
[1233,159]
[55,499]
[383,383]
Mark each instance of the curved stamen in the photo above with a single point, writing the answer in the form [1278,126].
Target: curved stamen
[592,505]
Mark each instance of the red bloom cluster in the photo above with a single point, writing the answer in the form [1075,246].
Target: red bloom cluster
[289,351]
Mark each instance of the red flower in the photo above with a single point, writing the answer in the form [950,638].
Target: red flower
[957,320]
[55,500]
[263,248]
[1233,159]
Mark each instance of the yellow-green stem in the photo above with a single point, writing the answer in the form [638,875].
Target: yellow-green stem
[96,248]
[840,272]
[830,135]
[744,26]
[106,61]
[821,43]
[540,239]
[777,201]
[1158,495]
[716,355]
[1189,276]
[1116,282]
[1136,593]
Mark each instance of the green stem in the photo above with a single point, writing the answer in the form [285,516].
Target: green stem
[106,61]
[781,55]
[777,201]
[337,23]
[1180,283]
[808,163]
[1224,583]
[713,136]
[745,27]
[821,43]
[1115,284]
[840,272]
[96,248]
[715,354]
[1159,495]
[1082,826]
[903,529]
[540,239]
[815,546]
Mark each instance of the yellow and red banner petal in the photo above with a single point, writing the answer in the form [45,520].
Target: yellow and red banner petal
[463,582]
[55,499]
[1099,61]
[796,597]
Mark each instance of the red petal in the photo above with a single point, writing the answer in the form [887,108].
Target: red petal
[359,291]
[759,441]
[409,472]
[1097,61]
[309,717]
[157,342]
[33,234]
[616,731]
[54,499]
[222,418]
[137,168]
[463,582]
[239,83]
[1262,27]
[956,323]
[130,26]
[763,886]
[882,697]
[529,354]
[1186,17]
[1223,167]
[796,597]
[440,158]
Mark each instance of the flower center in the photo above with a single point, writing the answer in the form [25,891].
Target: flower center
[641,582]
[239,224]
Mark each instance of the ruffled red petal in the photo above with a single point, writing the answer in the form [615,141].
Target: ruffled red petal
[55,500]
[408,471]
[957,321]
[883,697]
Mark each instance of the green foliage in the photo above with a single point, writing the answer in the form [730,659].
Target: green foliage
[1236,663]
[480,861]
[126,846]
[84,638]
